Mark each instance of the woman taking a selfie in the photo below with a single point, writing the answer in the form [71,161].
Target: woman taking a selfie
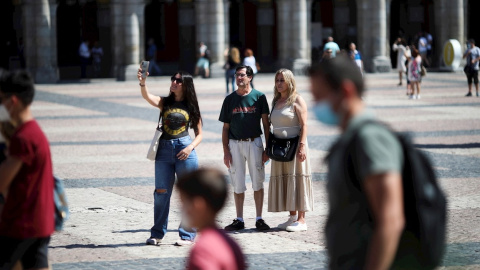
[176,150]
[290,186]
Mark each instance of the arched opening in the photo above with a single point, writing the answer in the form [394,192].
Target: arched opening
[11,42]
[472,21]
[161,26]
[77,21]
[253,25]
[410,19]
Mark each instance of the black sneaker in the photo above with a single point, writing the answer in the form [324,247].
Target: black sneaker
[469,94]
[261,225]
[236,225]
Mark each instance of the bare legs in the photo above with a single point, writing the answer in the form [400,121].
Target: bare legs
[400,75]
[240,199]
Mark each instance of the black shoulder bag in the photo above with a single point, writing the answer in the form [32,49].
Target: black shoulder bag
[282,150]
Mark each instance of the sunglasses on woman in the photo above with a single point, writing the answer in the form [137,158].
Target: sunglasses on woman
[177,80]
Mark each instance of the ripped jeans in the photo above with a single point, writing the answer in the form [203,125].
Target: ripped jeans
[251,154]
[166,166]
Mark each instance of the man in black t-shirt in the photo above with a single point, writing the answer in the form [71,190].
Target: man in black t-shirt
[241,114]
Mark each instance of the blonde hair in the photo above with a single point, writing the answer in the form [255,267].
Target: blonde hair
[235,55]
[291,85]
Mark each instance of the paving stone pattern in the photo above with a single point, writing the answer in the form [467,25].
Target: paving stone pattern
[100,132]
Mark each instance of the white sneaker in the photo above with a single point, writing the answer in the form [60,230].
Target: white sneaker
[414,96]
[290,221]
[183,242]
[418,96]
[297,227]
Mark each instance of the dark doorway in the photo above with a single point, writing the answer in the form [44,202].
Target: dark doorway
[473,22]
[75,22]
[10,19]
[408,18]
[161,24]
[253,25]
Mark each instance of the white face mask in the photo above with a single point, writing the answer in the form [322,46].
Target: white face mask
[4,115]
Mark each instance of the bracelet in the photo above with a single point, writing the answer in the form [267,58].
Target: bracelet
[142,85]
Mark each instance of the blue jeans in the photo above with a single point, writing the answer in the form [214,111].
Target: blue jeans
[230,75]
[166,166]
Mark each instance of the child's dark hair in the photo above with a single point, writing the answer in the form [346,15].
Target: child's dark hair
[210,184]
[18,83]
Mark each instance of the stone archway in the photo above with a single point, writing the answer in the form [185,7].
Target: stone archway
[472,21]
[76,21]
[408,18]
[161,25]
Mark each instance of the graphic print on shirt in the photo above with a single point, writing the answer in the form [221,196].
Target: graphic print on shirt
[175,121]
[251,109]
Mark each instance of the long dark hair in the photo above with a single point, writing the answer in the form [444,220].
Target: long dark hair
[190,98]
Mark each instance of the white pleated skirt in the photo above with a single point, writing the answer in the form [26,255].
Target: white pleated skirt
[290,187]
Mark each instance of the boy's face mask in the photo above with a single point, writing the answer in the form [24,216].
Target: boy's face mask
[4,115]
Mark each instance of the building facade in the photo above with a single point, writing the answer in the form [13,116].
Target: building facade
[44,35]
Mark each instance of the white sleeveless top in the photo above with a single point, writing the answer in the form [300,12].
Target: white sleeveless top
[285,122]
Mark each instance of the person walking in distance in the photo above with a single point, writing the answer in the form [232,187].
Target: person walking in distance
[176,153]
[84,54]
[290,186]
[203,61]
[97,54]
[414,73]
[331,45]
[472,54]
[400,46]
[250,60]
[354,239]
[233,60]
[27,219]
[241,114]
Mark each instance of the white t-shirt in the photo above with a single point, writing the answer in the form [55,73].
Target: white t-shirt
[83,50]
[250,61]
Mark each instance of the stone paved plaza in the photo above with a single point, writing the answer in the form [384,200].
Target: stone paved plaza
[100,132]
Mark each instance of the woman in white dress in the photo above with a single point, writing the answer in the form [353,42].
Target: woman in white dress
[290,186]
[400,46]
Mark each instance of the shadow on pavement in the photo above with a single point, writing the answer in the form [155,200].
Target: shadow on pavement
[448,146]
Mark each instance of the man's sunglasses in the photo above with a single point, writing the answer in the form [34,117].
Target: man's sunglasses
[177,80]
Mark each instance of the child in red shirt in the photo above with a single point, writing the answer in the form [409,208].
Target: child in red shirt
[203,194]
[27,219]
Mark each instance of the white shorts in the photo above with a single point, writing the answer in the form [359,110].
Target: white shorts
[250,153]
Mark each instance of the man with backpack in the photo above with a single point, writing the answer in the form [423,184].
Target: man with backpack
[27,220]
[370,225]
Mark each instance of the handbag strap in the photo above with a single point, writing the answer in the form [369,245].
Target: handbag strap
[159,126]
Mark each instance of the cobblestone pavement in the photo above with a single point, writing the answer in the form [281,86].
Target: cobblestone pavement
[100,132]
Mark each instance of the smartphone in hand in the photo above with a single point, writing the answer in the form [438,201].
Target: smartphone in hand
[144,66]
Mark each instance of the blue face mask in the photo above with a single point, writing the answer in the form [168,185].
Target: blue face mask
[325,114]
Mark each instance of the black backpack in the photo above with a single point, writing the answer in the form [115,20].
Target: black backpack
[422,243]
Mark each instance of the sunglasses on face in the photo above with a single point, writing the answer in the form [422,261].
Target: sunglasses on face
[177,80]
[241,75]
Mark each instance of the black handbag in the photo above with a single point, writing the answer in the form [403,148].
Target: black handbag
[281,149]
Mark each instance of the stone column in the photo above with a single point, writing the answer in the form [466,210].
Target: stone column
[374,40]
[449,24]
[126,37]
[456,26]
[39,52]
[283,33]
[211,30]
[299,36]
